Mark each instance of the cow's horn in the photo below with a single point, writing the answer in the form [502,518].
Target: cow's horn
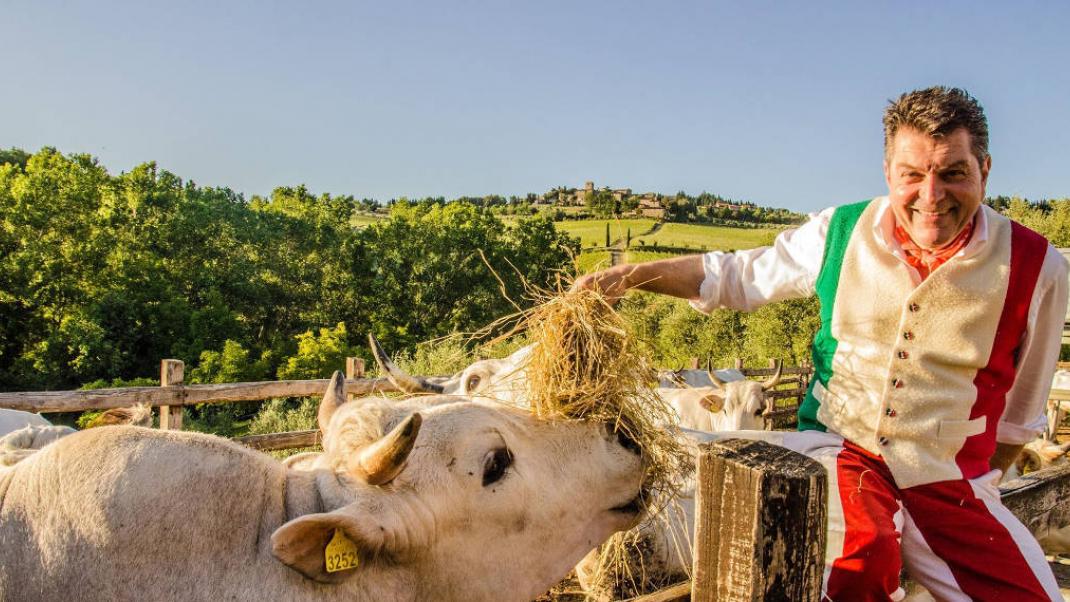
[332,400]
[716,381]
[383,460]
[408,384]
[773,380]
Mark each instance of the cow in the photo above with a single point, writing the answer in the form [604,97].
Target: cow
[721,400]
[502,380]
[13,420]
[429,499]
[24,442]
[659,549]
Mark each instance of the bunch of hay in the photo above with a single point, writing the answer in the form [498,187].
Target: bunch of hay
[585,365]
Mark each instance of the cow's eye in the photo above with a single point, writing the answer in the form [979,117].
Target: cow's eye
[759,411]
[472,382]
[494,467]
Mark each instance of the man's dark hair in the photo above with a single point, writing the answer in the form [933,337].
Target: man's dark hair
[938,111]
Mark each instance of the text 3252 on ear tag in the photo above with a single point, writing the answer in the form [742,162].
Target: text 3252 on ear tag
[341,553]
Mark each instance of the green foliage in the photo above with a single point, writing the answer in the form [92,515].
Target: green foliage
[102,276]
[441,357]
[282,415]
[671,332]
[601,203]
[1049,218]
[230,365]
[318,355]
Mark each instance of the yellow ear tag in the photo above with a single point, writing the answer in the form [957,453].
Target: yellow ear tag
[340,553]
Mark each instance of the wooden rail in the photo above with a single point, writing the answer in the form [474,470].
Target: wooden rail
[181,395]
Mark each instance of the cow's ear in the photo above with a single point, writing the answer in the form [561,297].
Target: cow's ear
[712,402]
[313,543]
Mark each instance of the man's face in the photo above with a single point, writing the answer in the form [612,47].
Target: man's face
[935,184]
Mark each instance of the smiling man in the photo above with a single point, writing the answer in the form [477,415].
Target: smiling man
[940,327]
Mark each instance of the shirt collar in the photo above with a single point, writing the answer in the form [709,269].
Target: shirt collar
[884,231]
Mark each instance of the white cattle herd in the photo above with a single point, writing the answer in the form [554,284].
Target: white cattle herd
[459,494]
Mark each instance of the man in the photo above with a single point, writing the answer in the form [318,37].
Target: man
[940,329]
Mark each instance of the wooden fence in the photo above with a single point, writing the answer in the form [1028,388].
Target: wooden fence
[173,394]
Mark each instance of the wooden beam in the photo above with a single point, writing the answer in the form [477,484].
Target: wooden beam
[680,591]
[72,401]
[769,371]
[1040,499]
[172,373]
[276,441]
[760,523]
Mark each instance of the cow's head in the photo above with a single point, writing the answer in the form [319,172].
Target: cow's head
[461,488]
[719,401]
[1038,454]
[501,380]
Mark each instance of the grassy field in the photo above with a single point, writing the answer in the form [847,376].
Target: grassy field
[592,260]
[593,232]
[361,220]
[706,238]
[633,256]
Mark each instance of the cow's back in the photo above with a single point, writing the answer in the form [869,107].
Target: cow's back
[166,510]
[13,420]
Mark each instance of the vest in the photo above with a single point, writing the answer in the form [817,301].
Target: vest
[919,375]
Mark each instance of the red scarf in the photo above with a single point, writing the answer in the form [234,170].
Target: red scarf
[927,260]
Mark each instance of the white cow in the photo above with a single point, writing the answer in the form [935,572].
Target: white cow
[458,501]
[660,547]
[722,400]
[24,442]
[502,380]
[13,420]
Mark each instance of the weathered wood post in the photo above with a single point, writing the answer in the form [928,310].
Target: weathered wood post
[739,363]
[172,373]
[354,370]
[354,367]
[759,523]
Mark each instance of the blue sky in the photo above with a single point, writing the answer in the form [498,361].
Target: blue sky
[777,103]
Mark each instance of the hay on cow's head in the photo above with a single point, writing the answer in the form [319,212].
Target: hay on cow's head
[584,365]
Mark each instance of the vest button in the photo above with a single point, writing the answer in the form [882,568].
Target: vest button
[883,441]
[902,355]
[897,383]
[908,335]
[889,413]
[913,307]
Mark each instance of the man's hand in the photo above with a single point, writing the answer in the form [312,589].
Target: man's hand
[612,282]
[676,276]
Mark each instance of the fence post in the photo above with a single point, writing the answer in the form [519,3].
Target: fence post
[171,374]
[354,370]
[739,363]
[759,524]
[354,367]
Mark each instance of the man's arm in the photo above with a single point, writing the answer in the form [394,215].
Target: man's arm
[1006,454]
[677,276]
[741,280]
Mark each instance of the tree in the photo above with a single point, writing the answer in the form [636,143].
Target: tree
[602,203]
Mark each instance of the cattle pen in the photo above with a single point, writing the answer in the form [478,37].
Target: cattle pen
[766,537]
